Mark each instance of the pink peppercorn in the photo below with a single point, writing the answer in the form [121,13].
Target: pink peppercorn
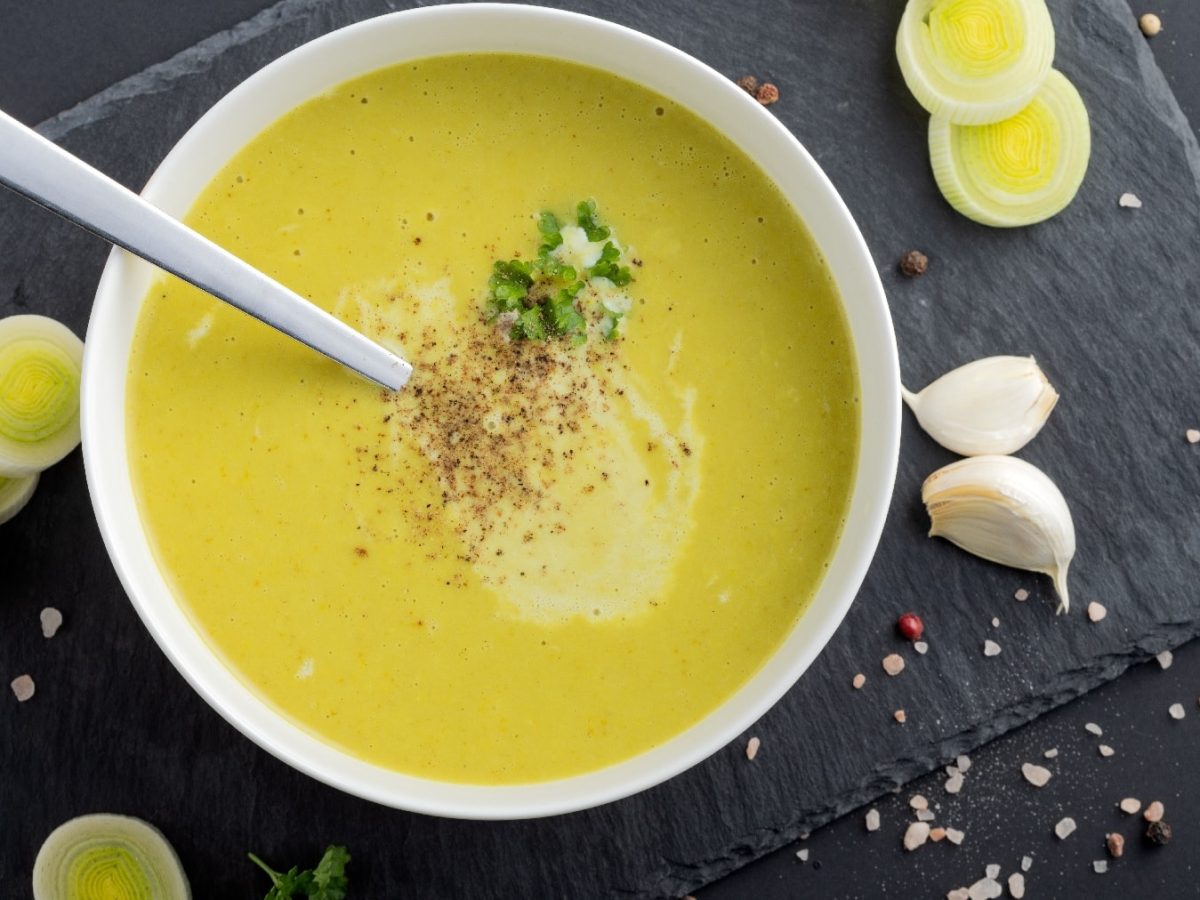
[911,626]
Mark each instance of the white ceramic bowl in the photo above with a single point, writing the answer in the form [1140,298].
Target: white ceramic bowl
[391,39]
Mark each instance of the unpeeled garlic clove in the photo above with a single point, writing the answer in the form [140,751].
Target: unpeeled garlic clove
[1005,510]
[993,405]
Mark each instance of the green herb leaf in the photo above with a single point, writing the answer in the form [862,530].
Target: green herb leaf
[329,877]
[585,216]
[509,284]
[529,325]
[326,882]
[606,266]
[550,228]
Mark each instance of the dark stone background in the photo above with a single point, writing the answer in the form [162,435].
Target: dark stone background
[105,746]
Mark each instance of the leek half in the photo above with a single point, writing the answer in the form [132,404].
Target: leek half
[975,61]
[40,364]
[1019,171]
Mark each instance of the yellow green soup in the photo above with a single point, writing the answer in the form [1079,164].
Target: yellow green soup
[538,559]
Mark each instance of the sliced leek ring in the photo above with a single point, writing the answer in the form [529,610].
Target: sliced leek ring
[1019,171]
[14,494]
[40,363]
[106,857]
[975,61]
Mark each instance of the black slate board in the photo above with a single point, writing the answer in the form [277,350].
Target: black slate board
[1100,295]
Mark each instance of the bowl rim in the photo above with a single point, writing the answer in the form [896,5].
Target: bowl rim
[646,61]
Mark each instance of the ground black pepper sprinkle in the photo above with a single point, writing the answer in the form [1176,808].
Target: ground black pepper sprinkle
[1159,833]
[914,263]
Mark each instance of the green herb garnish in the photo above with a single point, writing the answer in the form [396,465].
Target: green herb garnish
[544,293]
[606,266]
[326,882]
[585,216]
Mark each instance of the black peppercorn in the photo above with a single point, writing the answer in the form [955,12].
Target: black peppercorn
[1159,833]
[914,263]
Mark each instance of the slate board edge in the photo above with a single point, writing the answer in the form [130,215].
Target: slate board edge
[686,876]
[891,776]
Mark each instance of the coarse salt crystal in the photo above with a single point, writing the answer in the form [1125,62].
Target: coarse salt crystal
[921,647]
[954,836]
[1026,863]
[992,870]
[22,687]
[1165,659]
[1176,711]
[872,820]
[893,664]
[959,894]
[954,783]
[952,769]
[1065,828]
[1093,728]
[1130,805]
[900,716]
[1116,845]
[991,648]
[1051,753]
[985,889]
[1193,436]
[1021,595]
[937,834]
[964,762]
[1130,201]
[1038,776]
[859,680]
[1096,611]
[925,815]
[1106,750]
[52,620]
[802,855]
[1016,883]
[752,747]
[916,801]
[1154,812]
[915,835]
[995,621]
[1100,866]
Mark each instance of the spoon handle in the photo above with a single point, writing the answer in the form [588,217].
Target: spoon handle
[48,175]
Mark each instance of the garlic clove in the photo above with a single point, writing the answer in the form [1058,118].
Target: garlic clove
[1004,510]
[993,405]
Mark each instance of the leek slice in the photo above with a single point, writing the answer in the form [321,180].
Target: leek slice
[106,857]
[14,494]
[40,363]
[1019,171]
[975,61]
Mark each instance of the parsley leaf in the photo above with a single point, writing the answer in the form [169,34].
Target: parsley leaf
[585,217]
[326,882]
[606,266]
[509,284]
[551,234]
[529,325]
[329,877]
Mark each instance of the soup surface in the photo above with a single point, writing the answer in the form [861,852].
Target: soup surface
[539,558]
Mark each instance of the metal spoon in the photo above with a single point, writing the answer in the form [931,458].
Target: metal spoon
[48,175]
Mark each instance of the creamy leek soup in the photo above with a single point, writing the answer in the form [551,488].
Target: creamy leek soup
[616,477]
